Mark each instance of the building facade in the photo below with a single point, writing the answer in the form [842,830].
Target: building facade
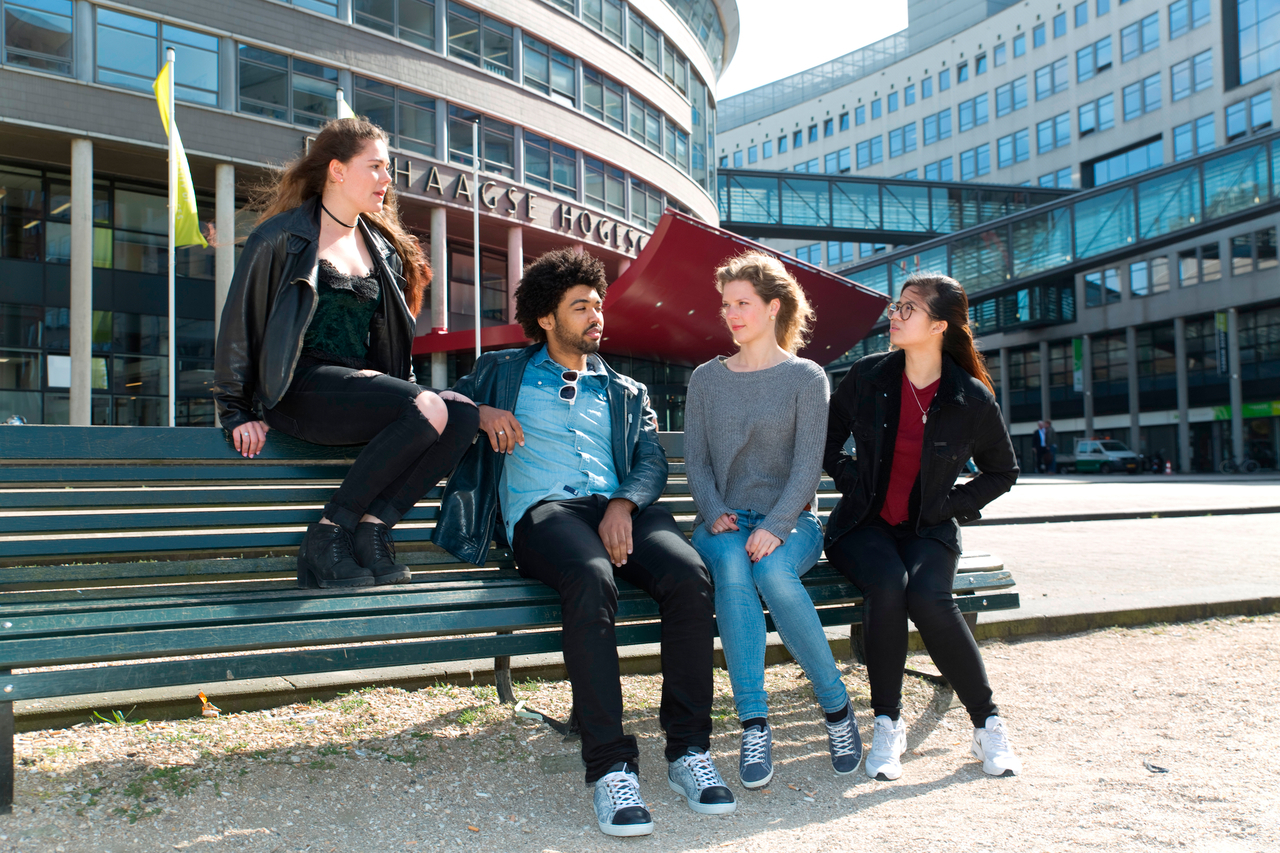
[594,115]
[1170,340]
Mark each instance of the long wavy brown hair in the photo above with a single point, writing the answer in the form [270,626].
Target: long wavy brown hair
[945,299]
[304,178]
[770,280]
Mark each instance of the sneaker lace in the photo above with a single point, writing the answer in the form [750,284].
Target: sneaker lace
[841,735]
[997,737]
[704,772]
[882,738]
[623,790]
[383,545]
[754,743]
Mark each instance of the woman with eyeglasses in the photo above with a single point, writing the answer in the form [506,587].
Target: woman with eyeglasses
[316,340]
[917,414]
[753,428]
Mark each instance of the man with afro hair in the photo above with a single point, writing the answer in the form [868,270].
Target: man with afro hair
[574,464]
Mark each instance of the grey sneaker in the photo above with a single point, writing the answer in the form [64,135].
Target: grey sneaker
[693,776]
[620,811]
[755,761]
[888,742]
[845,744]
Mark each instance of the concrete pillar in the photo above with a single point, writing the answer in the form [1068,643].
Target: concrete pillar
[1237,392]
[1135,427]
[81,282]
[1086,356]
[1005,408]
[515,267]
[224,253]
[1184,428]
[228,60]
[1044,381]
[439,292]
[84,61]
[344,12]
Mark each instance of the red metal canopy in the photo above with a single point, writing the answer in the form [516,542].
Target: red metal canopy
[666,307]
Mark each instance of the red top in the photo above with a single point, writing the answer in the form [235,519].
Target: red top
[907,449]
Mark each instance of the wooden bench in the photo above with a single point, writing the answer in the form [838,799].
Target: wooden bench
[143,547]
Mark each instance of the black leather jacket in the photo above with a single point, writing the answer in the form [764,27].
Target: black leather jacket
[272,298]
[469,508]
[964,421]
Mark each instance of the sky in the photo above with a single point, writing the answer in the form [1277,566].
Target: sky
[774,44]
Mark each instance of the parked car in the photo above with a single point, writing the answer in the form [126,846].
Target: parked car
[1100,456]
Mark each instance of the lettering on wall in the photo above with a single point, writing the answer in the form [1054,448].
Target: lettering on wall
[454,186]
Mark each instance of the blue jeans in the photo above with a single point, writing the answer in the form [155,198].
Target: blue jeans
[741,618]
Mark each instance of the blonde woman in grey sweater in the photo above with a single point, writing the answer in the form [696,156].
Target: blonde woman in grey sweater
[755,424]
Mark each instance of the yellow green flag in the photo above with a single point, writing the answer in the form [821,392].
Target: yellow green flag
[186,219]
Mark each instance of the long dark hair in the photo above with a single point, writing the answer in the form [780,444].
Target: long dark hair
[946,300]
[304,178]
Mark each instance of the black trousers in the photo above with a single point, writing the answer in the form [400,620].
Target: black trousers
[557,543]
[403,457]
[904,575]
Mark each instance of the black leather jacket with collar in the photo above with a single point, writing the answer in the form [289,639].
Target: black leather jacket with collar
[964,421]
[269,306]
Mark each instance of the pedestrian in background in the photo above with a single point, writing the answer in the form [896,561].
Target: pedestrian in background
[754,423]
[916,414]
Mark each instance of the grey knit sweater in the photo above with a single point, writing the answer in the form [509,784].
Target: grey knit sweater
[753,441]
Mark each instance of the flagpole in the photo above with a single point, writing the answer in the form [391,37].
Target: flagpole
[475,222]
[173,228]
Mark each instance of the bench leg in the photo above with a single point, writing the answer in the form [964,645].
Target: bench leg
[6,755]
[857,646]
[502,677]
[971,619]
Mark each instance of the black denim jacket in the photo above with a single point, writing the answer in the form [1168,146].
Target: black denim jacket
[469,508]
[964,421]
[269,306]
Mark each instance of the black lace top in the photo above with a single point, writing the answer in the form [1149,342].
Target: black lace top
[339,329]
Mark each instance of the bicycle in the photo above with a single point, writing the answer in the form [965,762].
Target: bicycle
[1231,466]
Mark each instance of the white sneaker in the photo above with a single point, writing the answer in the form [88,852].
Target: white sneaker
[620,810]
[888,742]
[991,747]
[694,776]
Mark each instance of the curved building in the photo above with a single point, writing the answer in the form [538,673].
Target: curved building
[594,116]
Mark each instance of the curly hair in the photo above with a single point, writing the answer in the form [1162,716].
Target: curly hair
[770,280]
[544,284]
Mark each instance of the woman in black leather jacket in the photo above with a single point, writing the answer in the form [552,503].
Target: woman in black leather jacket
[917,414]
[318,331]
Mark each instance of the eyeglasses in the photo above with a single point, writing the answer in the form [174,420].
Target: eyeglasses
[569,391]
[902,309]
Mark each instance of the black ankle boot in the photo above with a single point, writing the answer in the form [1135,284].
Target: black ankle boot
[377,553]
[325,560]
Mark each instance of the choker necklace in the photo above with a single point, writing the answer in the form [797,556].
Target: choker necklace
[336,219]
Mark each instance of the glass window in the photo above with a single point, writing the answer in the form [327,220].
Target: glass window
[1102,287]
[909,95]
[999,55]
[411,20]
[408,117]
[875,108]
[975,162]
[844,121]
[939,171]
[1082,13]
[902,140]
[782,144]
[551,166]
[646,204]
[892,102]
[1179,18]
[1037,36]
[752,154]
[962,72]
[980,65]
[315,93]
[642,39]
[480,40]
[870,152]
[973,112]
[646,123]
[859,115]
[1019,45]
[130,52]
[1060,25]
[550,72]
[828,127]
[602,97]
[38,34]
[926,87]
[1129,162]
[1104,223]
[21,215]
[1180,80]
[797,139]
[264,83]
[1102,7]
[497,141]
[605,186]
[737,159]
[1202,70]
[813,133]
[766,149]
[604,15]
[944,80]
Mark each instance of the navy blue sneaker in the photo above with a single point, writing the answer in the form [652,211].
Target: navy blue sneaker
[755,761]
[845,744]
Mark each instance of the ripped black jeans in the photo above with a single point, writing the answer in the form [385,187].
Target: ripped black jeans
[403,456]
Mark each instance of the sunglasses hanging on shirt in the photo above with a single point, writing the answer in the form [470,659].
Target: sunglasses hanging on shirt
[569,391]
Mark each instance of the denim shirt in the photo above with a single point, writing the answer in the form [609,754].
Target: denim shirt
[568,447]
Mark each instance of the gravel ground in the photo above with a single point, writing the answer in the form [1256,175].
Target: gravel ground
[1137,739]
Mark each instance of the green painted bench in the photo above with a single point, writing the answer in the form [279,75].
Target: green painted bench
[143,548]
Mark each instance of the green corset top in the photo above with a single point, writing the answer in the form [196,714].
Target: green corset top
[339,329]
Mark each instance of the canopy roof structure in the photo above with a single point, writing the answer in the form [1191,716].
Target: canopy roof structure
[665,305]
